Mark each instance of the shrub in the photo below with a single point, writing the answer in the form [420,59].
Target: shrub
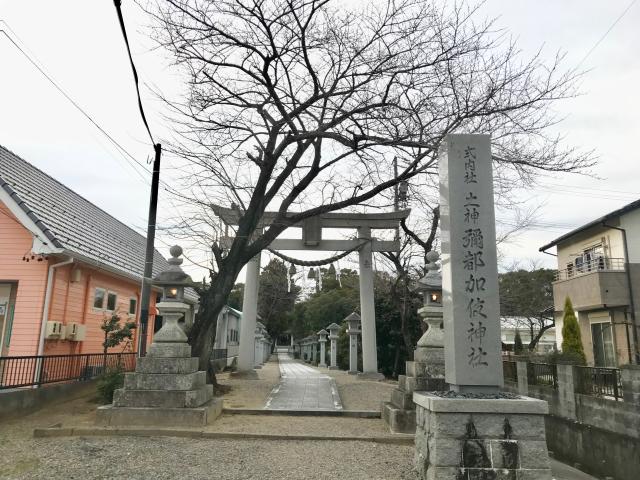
[571,339]
[109,382]
[518,347]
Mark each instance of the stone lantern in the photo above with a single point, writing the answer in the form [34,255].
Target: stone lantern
[430,347]
[333,337]
[322,338]
[426,371]
[172,306]
[167,388]
[353,329]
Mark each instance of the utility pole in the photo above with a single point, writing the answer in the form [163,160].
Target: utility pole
[149,251]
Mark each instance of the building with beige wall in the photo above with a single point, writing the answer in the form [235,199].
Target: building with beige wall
[599,270]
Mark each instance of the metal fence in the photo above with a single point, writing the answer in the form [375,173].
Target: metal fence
[18,372]
[543,374]
[510,371]
[219,354]
[599,381]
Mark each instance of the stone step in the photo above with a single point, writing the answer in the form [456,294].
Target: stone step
[402,399]
[420,384]
[163,398]
[167,365]
[164,381]
[112,416]
[169,350]
[399,421]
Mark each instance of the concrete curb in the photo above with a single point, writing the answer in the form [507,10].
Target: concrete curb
[397,439]
[304,413]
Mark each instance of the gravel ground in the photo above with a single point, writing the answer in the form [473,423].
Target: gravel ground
[289,425]
[361,394]
[170,458]
[251,393]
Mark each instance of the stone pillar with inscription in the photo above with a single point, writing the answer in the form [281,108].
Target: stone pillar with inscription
[490,433]
[246,350]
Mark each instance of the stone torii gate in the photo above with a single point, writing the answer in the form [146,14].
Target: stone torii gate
[312,240]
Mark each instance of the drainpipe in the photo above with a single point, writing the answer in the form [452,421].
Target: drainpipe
[47,301]
[629,285]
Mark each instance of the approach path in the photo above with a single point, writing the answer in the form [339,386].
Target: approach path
[302,388]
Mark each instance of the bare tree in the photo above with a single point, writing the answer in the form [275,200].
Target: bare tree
[300,106]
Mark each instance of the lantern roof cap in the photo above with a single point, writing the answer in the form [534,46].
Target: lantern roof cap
[323,332]
[174,275]
[333,326]
[353,317]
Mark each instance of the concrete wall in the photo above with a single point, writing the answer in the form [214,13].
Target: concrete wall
[28,400]
[600,434]
[592,290]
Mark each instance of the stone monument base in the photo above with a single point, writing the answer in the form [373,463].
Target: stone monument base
[462,438]
[334,368]
[111,416]
[165,390]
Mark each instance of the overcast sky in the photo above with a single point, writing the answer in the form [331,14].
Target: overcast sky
[80,46]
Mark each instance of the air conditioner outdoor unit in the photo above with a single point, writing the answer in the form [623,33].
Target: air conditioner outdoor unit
[75,331]
[54,330]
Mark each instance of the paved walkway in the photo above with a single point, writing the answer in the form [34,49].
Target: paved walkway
[302,388]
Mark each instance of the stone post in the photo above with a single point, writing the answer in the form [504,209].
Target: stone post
[249,314]
[469,266]
[474,430]
[566,391]
[322,338]
[313,351]
[353,322]
[523,377]
[631,383]
[333,337]
[367,307]
[257,346]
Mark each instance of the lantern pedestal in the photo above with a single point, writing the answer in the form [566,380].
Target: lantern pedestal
[166,389]
[426,371]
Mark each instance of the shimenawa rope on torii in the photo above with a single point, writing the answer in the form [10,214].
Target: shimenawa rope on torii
[317,263]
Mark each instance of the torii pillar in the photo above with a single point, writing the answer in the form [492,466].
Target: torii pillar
[367,307]
[249,315]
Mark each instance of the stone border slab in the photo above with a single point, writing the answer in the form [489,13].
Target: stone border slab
[304,413]
[396,439]
[434,403]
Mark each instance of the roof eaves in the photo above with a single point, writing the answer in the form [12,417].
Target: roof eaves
[27,210]
[599,221]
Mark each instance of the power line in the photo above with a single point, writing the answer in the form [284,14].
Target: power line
[607,32]
[74,103]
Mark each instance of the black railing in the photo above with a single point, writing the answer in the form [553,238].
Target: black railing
[219,354]
[18,372]
[510,371]
[599,381]
[542,374]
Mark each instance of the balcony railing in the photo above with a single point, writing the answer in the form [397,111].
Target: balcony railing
[18,372]
[599,381]
[600,264]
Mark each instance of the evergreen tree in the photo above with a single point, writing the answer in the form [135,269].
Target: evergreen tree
[518,347]
[571,339]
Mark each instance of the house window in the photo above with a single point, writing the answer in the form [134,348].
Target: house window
[603,348]
[111,301]
[98,298]
[133,305]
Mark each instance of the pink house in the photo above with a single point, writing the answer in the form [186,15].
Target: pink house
[65,264]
